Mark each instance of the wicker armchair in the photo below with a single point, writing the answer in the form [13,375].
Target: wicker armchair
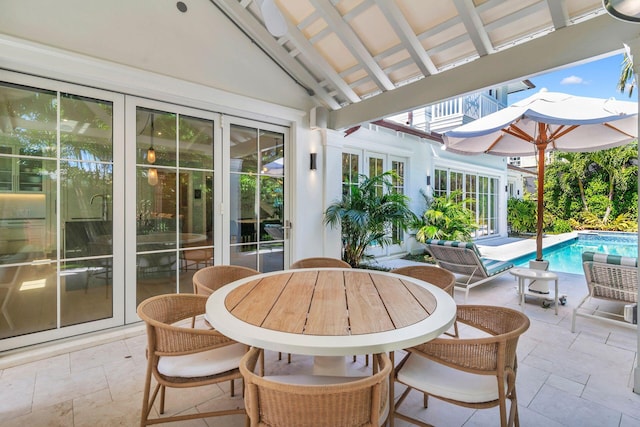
[437,276]
[319,401]
[319,262]
[209,279]
[478,372]
[181,357]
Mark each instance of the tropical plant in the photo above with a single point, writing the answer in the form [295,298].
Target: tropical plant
[627,79]
[595,188]
[367,213]
[446,218]
[521,215]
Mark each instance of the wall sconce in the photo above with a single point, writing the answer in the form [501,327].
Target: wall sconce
[428,180]
[152,176]
[313,165]
[506,188]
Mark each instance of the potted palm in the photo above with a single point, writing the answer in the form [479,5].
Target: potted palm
[367,213]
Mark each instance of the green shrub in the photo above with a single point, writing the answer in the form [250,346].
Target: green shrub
[562,226]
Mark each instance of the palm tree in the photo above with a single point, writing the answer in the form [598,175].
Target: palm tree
[627,78]
[367,214]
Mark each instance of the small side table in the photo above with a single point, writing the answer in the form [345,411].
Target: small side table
[538,275]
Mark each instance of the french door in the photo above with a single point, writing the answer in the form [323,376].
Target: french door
[258,220]
[204,189]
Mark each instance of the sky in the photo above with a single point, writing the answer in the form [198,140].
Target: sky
[596,79]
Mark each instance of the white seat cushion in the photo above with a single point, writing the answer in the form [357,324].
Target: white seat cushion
[203,364]
[440,380]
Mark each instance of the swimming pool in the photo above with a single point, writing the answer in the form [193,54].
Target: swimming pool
[567,256]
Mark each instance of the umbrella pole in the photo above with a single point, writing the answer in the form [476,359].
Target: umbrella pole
[540,214]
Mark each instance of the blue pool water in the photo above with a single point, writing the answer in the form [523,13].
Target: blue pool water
[567,256]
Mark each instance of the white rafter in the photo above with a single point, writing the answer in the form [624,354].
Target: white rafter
[259,33]
[408,37]
[474,26]
[559,14]
[353,43]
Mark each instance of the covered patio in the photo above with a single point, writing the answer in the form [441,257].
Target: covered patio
[341,65]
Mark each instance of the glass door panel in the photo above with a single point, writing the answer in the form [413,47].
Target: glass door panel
[174,200]
[257,187]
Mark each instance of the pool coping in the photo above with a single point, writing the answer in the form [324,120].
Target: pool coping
[515,250]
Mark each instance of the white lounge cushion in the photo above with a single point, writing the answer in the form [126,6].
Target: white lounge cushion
[440,380]
[204,363]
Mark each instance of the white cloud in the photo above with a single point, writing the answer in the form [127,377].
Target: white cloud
[572,80]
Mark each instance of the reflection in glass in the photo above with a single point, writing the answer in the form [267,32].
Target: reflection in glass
[244,149]
[243,207]
[28,120]
[271,204]
[245,256]
[86,291]
[86,132]
[156,274]
[272,257]
[156,129]
[156,211]
[272,153]
[196,143]
[28,299]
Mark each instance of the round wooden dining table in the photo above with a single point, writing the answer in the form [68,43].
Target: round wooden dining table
[331,311]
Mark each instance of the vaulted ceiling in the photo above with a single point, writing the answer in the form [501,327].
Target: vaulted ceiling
[364,59]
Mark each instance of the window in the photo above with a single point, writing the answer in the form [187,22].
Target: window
[480,191]
[350,171]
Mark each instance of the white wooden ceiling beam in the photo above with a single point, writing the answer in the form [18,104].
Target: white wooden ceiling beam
[271,46]
[559,14]
[597,37]
[407,37]
[353,43]
[475,28]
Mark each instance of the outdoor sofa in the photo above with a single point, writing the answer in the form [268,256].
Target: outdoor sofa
[464,260]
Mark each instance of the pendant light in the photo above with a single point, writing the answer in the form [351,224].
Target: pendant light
[152,174]
[151,153]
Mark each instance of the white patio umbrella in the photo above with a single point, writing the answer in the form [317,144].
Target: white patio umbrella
[543,122]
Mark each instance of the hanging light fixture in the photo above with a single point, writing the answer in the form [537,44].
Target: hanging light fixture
[151,153]
[152,176]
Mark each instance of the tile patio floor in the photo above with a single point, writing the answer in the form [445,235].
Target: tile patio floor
[564,379]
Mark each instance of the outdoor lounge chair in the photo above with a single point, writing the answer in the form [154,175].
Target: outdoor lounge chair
[610,278]
[464,259]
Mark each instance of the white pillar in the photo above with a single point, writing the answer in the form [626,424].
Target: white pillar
[332,142]
[634,49]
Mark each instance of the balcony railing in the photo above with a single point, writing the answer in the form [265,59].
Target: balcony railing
[455,112]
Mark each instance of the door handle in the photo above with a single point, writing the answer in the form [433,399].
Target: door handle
[286,227]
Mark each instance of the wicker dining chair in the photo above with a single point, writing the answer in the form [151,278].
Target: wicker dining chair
[179,356]
[478,372]
[321,401]
[209,279]
[440,277]
[320,262]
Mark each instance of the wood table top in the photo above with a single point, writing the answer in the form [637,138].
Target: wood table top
[331,311]
[330,302]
